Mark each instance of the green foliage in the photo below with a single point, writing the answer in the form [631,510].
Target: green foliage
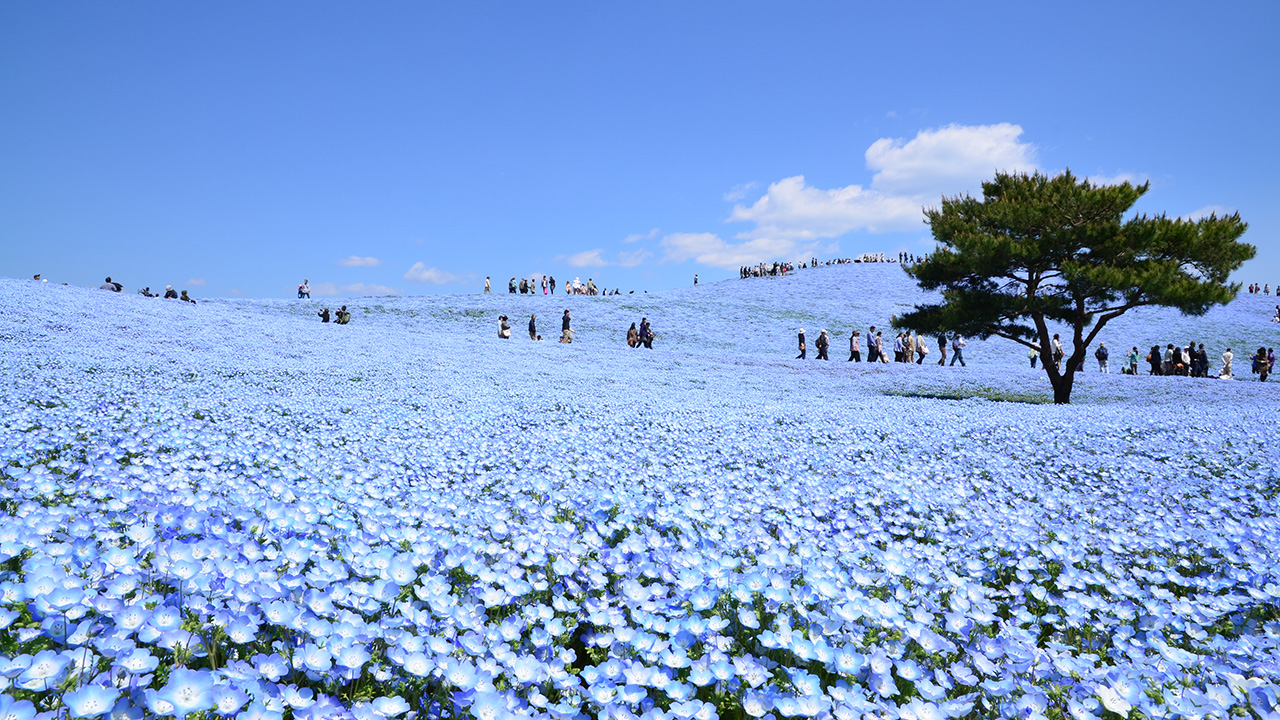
[1036,249]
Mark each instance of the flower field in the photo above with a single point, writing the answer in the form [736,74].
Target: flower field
[232,510]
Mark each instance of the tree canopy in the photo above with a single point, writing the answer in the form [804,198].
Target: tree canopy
[1035,250]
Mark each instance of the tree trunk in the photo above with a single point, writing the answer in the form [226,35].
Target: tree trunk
[1062,387]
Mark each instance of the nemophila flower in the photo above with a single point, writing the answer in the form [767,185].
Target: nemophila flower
[11,709]
[90,701]
[188,691]
[258,711]
[46,670]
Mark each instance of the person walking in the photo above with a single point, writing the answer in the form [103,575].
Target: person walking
[646,333]
[565,331]
[486,285]
[855,349]
[633,336]
[1057,351]
[552,284]
[1032,354]
[957,351]
[1102,354]
[922,349]
[908,347]
[872,356]
[822,344]
[880,348]
[942,348]
[504,328]
[533,327]
[897,348]
[800,340]
[511,286]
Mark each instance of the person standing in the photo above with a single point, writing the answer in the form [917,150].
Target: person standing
[1227,357]
[855,349]
[1032,354]
[646,333]
[695,279]
[897,348]
[1133,360]
[533,327]
[872,352]
[908,348]
[504,328]
[552,283]
[942,348]
[800,340]
[922,349]
[304,290]
[633,336]
[486,285]
[957,351]
[511,286]
[1102,354]
[822,344]
[1057,351]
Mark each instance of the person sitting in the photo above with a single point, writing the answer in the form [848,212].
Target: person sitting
[112,286]
[146,292]
[324,315]
[187,298]
[170,293]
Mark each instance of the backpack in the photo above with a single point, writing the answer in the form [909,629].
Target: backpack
[1101,353]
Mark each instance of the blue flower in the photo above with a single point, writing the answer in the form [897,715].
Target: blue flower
[90,701]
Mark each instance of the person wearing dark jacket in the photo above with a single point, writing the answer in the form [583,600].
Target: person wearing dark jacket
[186,298]
[803,348]
[533,328]
[170,293]
[822,343]
[324,315]
[646,333]
[564,322]
[1154,358]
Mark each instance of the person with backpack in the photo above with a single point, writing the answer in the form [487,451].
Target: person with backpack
[822,343]
[957,351]
[1102,354]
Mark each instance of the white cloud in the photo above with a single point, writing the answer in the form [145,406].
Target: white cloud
[737,192]
[1117,179]
[422,274]
[196,282]
[329,289]
[357,261]
[948,160]
[633,258]
[641,236]
[1207,210]
[710,249]
[908,176]
[791,209]
[586,258]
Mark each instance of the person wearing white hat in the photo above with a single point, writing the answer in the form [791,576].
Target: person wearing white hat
[803,348]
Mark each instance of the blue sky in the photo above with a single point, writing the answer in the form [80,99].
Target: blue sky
[237,148]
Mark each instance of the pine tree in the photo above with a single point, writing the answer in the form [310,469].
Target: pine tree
[1036,249]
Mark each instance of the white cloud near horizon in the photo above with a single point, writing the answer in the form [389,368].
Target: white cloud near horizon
[1117,179]
[586,258]
[712,250]
[329,289]
[196,282]
[794,220]
[633,258]
[1207,210]
[636,237]
[357,261]
[421,273]
[908,176]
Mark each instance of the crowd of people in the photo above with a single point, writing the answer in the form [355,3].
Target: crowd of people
[529,286]
[169,292]
[641,336]
[1254,289]
[781,269]
[906,347]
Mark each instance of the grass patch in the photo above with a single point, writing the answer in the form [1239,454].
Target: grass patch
[985,393]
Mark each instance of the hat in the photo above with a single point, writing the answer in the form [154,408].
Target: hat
[168,287]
